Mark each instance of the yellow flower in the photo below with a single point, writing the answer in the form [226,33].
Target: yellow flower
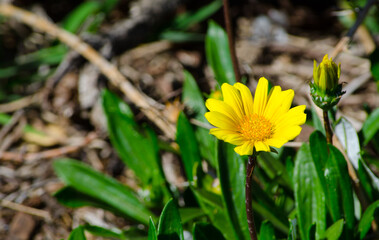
[266,121]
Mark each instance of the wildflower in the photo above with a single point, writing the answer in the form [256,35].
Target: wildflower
[325,90]
[266,121]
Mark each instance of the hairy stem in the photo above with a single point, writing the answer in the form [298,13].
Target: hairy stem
[229,31]
[328,130]
[248,201]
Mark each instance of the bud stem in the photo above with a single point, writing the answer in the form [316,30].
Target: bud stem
[328,130]
[249,207]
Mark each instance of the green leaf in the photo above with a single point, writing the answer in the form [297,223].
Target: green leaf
[193,99]
[366,220]
[71,197]
[76,17]
[273,167]
[212,205]
[374,59]
[188,214]
[94,184]
[334,232]
[186,139]
[206,231]
[170,226]
[152,234]
[317,122]
[218,54]
[103,232]
[350,142]
[186,20]
[139,151]
[309,196]
[179,36]
[292,232]
[371,126]
[267,231]
[340,190]
[231,172]
[77,234]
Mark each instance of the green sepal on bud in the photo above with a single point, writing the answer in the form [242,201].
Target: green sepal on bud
[325,90]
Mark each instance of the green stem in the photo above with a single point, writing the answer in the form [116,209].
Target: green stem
[328,130]
[248,196]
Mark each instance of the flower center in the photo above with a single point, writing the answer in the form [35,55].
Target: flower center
[256,128]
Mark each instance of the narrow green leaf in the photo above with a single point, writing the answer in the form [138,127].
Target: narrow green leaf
[139,151]
[334,232]
[189,214]
[267,231]
[193,99]
[366,220]
[374,59]
[273,167]
[71,197]
[231,172]
[76,17]
[170,226]
[371,126]
[152,234]
[186,20]
[317,122]
[218,54]
[292,232]
[212,205]
[77,234]
[340,189]
[206,231]
[309,196]
[180,36]
[94,184]
[186,139]
[103,232]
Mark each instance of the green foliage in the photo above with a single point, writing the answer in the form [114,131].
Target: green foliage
[77,234]
[301,193]
[218,54]
[96,185]
[206,231]
[137,148]
[188,146]
[170,226]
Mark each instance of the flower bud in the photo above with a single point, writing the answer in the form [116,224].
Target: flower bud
[325,90]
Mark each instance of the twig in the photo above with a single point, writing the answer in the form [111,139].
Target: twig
[52,153]
[147,105]
[229,31]
[20,103]
[25,209]
[349,35]
[248,196]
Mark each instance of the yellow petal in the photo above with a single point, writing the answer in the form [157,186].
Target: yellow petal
[276,142]
[233,98]
[247,98]
[221,107]
[275,100]
[260,97]
[244,149]
[295,116]
[261,146]
[228,136]
[287,97]
[288,133]
[220,120]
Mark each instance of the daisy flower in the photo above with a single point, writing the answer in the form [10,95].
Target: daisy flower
[266,121]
